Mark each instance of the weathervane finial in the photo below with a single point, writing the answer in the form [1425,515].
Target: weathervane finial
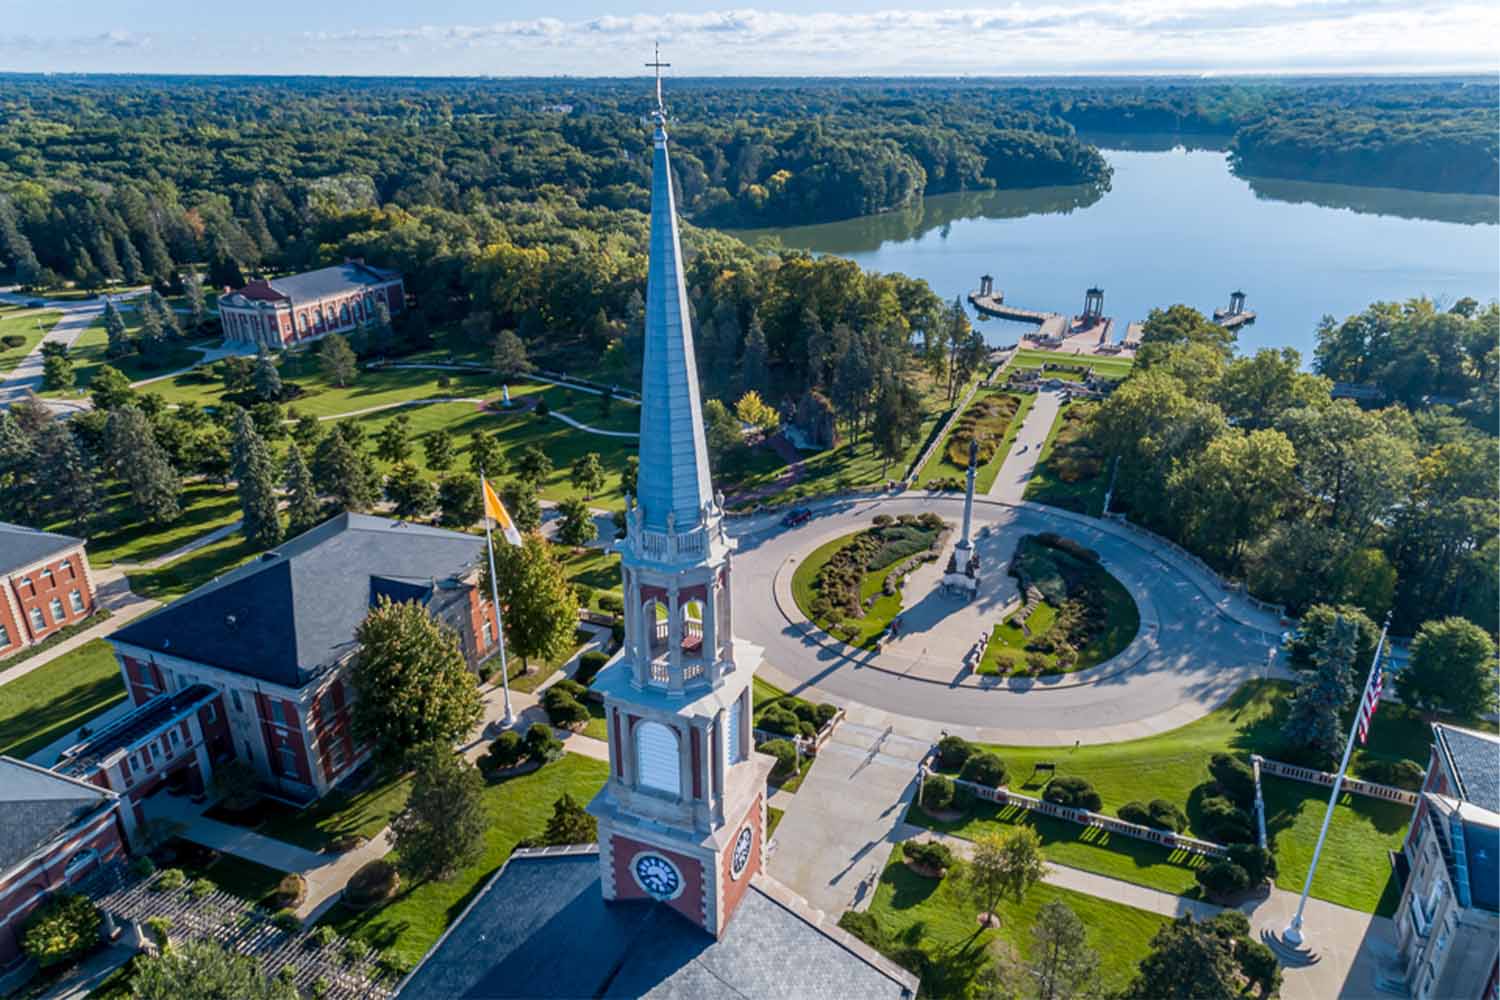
[658,65]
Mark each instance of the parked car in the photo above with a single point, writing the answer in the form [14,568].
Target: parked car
[796,516]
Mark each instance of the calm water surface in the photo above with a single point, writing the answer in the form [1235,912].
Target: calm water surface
[1178,226]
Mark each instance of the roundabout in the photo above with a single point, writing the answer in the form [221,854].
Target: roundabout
[1195,645]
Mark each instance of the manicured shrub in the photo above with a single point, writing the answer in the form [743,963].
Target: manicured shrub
[1074,792]
[785,754]
[823,714]
[541,745]
[1223,879]
[585,594]
[589,665]
[1235,778]
[323,936]
[562,708]
[506,751]
[143,866]
[374,882]
[1398,773]
[953,751]
[780,720]
[158,927]
[289,892]
[287,920]
[1226,822]
[1135,812]
[1073,548]
[930,854]
[1165,815]
[1259,863]
[202,887]
[984,768]
[879,520]
[612,603]
[617,633]
[937,792]
[61,929]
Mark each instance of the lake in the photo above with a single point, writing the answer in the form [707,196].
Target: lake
[1178,226]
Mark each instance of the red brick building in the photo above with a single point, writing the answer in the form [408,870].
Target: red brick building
[45,584]
[274,639]
[279,312]
[54,831]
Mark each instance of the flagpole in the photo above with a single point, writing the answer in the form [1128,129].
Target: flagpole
[489,548]
[1293,932]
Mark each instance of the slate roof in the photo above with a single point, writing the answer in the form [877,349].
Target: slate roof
[293,611]
[22,546]
[310,286]
[540,927]
[37,805]
[674,453]
[147,720]
[1474,759]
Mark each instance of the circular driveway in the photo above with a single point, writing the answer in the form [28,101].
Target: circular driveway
[1196,644]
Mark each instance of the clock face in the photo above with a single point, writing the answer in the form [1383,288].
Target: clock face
[658,876]
[741,852]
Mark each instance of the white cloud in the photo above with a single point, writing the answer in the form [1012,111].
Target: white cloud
[1049,36]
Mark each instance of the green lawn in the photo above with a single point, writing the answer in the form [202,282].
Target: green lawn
[205,507]
[1065,453]
[519,807]
[88,354]
[245,879]
[541,671]
[30,327]
[1106,366]
[1122,622]
[187,573]
[340,814]
[773,820]
[598,726]
[942,466]
[54,699]
[936,917]
[594,568]
[1355,870]
[868,626]
[1077,846]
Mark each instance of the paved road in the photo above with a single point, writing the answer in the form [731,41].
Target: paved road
[26,376]
[1026,449]
[1203,645]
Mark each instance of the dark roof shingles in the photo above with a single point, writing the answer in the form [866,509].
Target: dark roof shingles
[1476,762]
[22,546]
[37,805]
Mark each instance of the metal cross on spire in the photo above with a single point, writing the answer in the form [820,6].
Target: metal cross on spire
[658,65]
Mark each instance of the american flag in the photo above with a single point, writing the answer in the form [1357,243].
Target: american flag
[1370,703]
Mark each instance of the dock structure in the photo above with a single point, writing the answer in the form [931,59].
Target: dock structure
[993,304]
[1236,315]
[1088,333]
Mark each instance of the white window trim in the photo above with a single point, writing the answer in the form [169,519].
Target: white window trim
[658,751]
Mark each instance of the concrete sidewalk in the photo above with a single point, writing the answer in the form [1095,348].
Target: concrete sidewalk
[1026,450]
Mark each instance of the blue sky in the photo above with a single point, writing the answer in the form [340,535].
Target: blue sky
[700,38]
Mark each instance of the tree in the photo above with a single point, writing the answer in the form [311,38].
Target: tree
[392,444]
[570,824]
[1313,720]
[755,361]
[166,319]
[485,456]
[67,479]
[1062,962]
[723,434]
[109,388]
[267,380]
[1235,488]
[509,356]
[578,527]
[118,339]
[631,475]
[192,290]
[143,464]
[533,465]
[588,475]
[523,505]
[411,683]
[438,447]
[1187,962]
[1004,865]
[343,473]
[1452,669]
[204,970]
[63,928]
[898,420]
[540,605]
[337,360]
[57,373]
[303,510]
[458,500]
[442,828]
[753,410]
[412,493]
[255,474]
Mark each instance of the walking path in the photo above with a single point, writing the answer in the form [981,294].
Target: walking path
[1026,449]
[202,541]
[26,377]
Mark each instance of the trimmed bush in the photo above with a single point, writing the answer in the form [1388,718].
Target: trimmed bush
[287,920]
[62,929]
[937,793]
[984,768]
[953,751]
[929,854]
[1223,879]
[1259,863]
[1235,778]
[1165,815]
[1135,812]
[1397,773]
[171,878]
[785,754]
[563,709]
[289,892]
[1226,822]
[541,745]
[1074,792]
[375,882]
[323,936]
[589,665]
[776,718]
[506,751]
[612,603]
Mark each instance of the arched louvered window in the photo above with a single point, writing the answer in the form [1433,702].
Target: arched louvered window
[658,763]
[736,727]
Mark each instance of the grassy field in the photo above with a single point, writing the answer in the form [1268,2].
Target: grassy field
[54,699]
[519,807]
[187,573]
[1173,764]
[1122,622]
[594,568]
[88,354]
[1065,446]
[205,507]
[867,627]
[341,814]
[30,327]
[1105,366]
[942,466]
[936,916]
[245,879]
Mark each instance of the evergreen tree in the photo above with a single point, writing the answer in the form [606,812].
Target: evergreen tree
[255,473]
[577,527]
[154,255]
[165,316]
[485,456]
[459,500]
[337,360]
[411,683]
[1062,963]
[570,824]
[853,378]
[15,249]
[267,379]
[631,475]
[382,332]
[344,473]
[72,494]
[1187,962]
[533,465]
[588,475]
[197,303]
[898,420]
[1313,720]
[540,606]
[509,356]
[412,494]
[303,510]
[523,504]
[152,338]
[130,263]
[119,343]
[392,443]
[442,828]
[754,363]
[110,388]
[142,463]
[57,373]
[438,448]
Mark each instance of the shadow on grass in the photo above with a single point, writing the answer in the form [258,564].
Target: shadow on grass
[38,724]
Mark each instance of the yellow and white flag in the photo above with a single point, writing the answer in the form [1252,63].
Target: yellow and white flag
[495,510]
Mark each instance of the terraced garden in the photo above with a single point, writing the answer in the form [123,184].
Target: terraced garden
[1071,473]
[991,419]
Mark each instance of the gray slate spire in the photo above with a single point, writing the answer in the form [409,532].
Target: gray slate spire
[674,454]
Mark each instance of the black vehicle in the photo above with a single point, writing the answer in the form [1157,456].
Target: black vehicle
[36,304]
[796,516]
